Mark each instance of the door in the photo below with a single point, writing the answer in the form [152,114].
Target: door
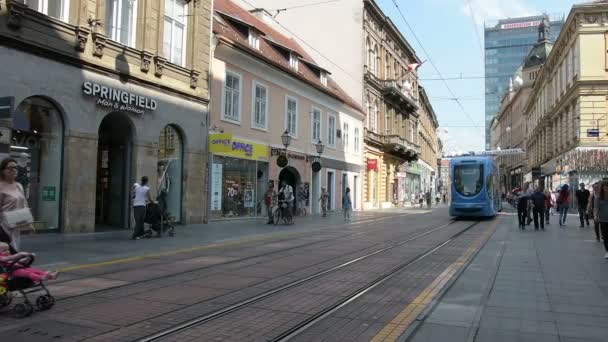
[356,193]
[316,193]
[331,189]
[113,173]
[344,184]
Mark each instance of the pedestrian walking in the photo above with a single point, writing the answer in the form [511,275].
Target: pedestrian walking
[591,207]
[347,205]
[600,213]
[324,199]
[538,200]
[548,205]
[529,192]
[421,199]
[582,200]
[301,196]
[563,201]
[16,214]
[270,200]
[141,198]
[522,210]
[429,199]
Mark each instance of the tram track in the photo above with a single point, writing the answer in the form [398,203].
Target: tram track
[150,280]
[302,326]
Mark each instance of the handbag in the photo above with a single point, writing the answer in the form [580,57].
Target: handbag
[18,218]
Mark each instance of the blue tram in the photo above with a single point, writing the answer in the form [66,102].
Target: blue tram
[475,187]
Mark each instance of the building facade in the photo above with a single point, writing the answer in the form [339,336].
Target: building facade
[105,93]
[371,64]
[264,85]
[566,114]
[506,46]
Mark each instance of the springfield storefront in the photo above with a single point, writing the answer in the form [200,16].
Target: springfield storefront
[238,177]
[83,138]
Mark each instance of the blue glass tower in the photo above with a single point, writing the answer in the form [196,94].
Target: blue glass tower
[506,46]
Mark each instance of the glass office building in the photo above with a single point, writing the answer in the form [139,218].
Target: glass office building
[506,46]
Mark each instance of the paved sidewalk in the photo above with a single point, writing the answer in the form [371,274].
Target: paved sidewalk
[526,286]
[58,251]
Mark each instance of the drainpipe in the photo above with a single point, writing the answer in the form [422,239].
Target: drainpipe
[207,169]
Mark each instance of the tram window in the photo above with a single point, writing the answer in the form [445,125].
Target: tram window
[468,179]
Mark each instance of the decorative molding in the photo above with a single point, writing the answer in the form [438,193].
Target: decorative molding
[194,77]
[159,65]
[82,36]
[100,43]
[15,14]
[146,60]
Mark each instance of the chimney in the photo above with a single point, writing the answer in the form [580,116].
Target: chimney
[263,15]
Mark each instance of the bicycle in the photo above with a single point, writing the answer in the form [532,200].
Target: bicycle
[283,212]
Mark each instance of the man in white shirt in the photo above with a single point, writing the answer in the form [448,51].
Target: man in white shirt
[287,191]
[141,198]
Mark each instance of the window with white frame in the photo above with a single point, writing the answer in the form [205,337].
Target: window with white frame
[345,136]
[58,9]
[174,40]
[324,78]
[291,116]
[331,131]
[357,140]
[260,105]
[121,20]
[293,61]
[254,39]
[316,125]
[232,97]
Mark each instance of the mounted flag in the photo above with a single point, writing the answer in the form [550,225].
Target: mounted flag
[414,67]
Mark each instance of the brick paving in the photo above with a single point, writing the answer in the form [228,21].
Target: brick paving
[148,295]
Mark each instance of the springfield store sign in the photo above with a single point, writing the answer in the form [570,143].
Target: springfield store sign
[119,100]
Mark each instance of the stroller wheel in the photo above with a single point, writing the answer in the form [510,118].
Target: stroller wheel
[5,299]
[22,310]
[45,302]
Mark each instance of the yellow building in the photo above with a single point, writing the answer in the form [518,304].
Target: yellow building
[567,117]
[102,93]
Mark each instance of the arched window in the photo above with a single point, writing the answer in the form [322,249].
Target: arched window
[368,51]
[38,148]
[170,170]
[387,66]
[374,127]
[376,60]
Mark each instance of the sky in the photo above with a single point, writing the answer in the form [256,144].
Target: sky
[447,32]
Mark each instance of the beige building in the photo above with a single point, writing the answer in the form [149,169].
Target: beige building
[370,63]
[102,93]
[566,114]
[264,85]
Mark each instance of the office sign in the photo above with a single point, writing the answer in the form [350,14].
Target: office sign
[520,25]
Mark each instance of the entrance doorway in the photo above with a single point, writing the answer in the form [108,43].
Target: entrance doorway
[291,176]
[356,192]
[114,153]
[331,189]
[316,193]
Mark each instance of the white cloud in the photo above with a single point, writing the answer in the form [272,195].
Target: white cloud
[491,10]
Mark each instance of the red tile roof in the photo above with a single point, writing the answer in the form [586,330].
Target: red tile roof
[227,29]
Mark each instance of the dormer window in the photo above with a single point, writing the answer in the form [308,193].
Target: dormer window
[324,78]
[293,61]
[254,39]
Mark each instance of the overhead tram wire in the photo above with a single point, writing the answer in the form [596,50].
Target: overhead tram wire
[279,10]
[476,29]
[432,63]
[354,78]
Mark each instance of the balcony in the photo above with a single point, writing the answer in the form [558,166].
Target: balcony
[401,148]
[373,138]
[401,93]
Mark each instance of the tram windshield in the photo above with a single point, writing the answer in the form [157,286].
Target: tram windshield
[468,179]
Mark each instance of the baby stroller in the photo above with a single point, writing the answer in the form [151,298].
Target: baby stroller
[160,221]
[24,286]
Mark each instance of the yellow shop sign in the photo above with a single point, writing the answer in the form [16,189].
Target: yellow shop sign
[226,145]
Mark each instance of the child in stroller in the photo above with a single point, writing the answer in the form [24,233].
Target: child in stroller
[17,275]
[158,218]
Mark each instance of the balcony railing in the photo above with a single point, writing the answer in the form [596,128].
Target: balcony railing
[399,146]
[402,92]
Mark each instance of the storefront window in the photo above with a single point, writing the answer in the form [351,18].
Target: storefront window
[37,146]
[236,196]
[170,170]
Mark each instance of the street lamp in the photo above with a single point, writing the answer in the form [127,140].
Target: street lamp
[286,139]
[320,147]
